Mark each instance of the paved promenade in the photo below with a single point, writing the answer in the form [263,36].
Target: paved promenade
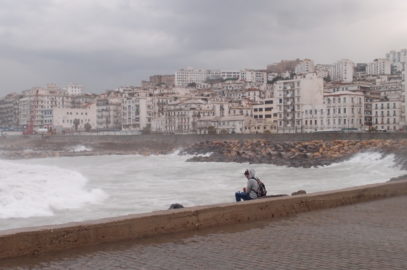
[370,235]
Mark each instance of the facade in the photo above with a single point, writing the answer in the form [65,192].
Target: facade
[291,96]
[74,89]
[343,110]
[379,66]
[222,125]
[74,119]
[305,66]
[136,109]
[108,114]
[253,76]
[36,105]
[387,115]
[342,71]
[230,75]
[181,116]
[9,111]
[184,77]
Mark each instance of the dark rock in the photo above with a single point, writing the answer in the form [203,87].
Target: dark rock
[299,192]
[175,206]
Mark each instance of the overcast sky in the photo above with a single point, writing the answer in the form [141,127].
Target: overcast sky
[104,44]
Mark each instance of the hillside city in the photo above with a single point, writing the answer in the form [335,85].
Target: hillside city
[292,96]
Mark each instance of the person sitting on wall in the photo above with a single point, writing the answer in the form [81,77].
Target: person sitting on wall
[249,192]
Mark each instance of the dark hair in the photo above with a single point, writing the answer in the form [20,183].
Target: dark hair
[246,172]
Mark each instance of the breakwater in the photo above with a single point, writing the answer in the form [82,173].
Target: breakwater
[293,154]
[17,147]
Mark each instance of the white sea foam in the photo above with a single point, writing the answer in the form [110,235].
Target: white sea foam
[70,188]
[38,190]
[79,148]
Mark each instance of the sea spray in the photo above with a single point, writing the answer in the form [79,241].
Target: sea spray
[138,184]
[39,190]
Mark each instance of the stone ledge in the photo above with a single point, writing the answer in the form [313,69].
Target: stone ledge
[37,240]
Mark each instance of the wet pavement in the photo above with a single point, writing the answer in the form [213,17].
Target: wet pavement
[369,235]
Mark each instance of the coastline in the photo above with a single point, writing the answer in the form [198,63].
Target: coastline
[309,150]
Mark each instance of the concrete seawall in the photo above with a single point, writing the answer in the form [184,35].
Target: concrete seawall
[31,241]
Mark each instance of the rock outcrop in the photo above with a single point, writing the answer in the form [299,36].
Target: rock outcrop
[293,154]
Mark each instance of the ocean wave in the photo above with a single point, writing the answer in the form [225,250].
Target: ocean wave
[39,190]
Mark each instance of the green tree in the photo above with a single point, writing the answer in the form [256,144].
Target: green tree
[88,127]
[76,123]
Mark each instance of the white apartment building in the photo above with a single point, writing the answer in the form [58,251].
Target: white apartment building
[290,97]
[379,66]
[387,115]
[74,119]
[253,76]
[398,59]
[397,56]
[343,110]
[230,75]
[265,118]
[342,71]
[305,66]
[222,125]
[136,109]
[183,77]
[323,70]
[36,105]
[74,89]
[253,94]
[181,116]
[9,111]
[109,113]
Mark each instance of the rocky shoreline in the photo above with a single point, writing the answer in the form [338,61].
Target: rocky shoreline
[293,154]
[305,154]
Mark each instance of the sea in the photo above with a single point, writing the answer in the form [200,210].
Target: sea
[35,192]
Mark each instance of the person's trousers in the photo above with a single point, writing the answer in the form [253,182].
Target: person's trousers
[242,195]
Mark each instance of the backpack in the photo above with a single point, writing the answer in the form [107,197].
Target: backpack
[261,192]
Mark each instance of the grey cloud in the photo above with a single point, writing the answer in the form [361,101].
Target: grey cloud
[106,43]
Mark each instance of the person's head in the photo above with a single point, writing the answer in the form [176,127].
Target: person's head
[249,173]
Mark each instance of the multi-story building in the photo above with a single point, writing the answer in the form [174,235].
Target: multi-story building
[291,96]
[109,113]
[387,115]
[230,75]
[343,110]
[254,76]
[398,60]
[305,66]
[74,119]
[36,105]
[9,111]
[181,115]
[379,66]
[342,71]
[184,77]
[265,117]
[74,89]
[136,109]
[222,125]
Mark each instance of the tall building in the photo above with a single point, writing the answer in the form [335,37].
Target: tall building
[290,98]
[74,89]
[342,71]
[183,77]
[379,66]
[305,66]
[398,60]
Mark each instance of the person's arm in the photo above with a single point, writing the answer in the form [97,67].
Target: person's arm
[249,187]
